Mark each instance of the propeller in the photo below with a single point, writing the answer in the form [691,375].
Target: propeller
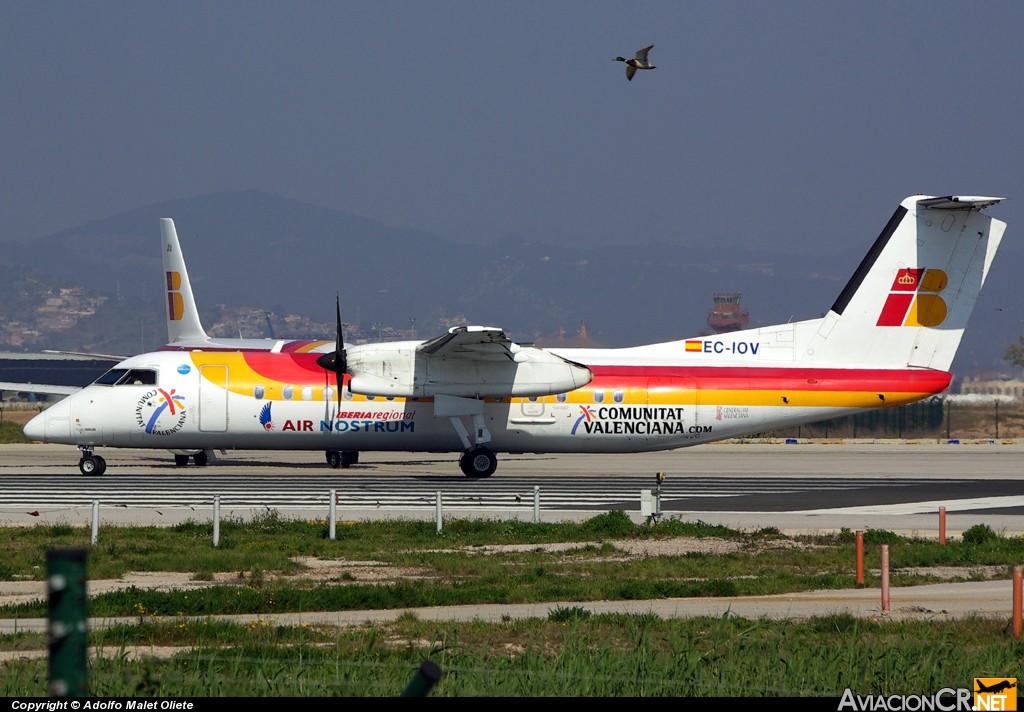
[335,361]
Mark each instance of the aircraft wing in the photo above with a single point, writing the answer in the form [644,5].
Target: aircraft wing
[468,361]
[472,342]
[47,389]
[98,357]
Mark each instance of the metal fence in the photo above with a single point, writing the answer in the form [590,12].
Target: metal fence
[937,418]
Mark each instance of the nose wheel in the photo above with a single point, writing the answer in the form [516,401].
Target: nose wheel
[478,462]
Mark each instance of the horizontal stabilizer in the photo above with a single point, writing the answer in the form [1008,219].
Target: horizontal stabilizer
[958,202]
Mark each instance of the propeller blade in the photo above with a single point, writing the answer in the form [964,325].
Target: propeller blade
[339,348]
[335,361]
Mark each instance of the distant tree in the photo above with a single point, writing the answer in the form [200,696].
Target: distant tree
[1015,353]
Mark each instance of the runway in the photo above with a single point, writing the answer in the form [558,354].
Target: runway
[813,486]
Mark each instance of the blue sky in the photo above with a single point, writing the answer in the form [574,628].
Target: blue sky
[795,124]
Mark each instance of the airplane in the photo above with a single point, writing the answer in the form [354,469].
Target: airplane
[888,339]
[997,687]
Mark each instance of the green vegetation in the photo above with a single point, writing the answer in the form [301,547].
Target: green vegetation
[11,432]
[258,569]
[569,654]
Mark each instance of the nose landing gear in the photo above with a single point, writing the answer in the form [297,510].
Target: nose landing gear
[90,464]
[342,458]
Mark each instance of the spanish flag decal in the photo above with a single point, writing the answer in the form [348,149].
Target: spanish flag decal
[694,346]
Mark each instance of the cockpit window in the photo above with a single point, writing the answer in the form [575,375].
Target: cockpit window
[140,377]
[128,377]
[112,376]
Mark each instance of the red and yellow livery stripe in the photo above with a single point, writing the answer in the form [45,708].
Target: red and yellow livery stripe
[679,385]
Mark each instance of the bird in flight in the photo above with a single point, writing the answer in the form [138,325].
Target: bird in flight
[638,62]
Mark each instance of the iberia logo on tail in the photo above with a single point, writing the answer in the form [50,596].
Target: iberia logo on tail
[914,300]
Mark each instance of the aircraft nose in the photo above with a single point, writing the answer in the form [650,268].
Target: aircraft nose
[53,423]
[35,429]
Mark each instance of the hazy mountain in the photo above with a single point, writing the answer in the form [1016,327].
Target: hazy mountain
[251,248]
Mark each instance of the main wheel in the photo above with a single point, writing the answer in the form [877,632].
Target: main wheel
[200,458]
[334,459]
[478,462]
[349,457]
[180,460]
[92,465]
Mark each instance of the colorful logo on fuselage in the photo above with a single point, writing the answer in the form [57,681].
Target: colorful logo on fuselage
[265,419]
[160,412]
[586,413]
[914,298]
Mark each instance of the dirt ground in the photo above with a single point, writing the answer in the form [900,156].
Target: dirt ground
[341,571]
[344,572]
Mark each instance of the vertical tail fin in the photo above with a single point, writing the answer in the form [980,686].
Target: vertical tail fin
[183,323]
[909,301]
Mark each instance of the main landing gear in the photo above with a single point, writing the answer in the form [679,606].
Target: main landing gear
[201,458]
[342,458]
[90,464]
[478,461]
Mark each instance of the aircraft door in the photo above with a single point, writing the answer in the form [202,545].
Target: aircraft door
[213,398]
[533,407]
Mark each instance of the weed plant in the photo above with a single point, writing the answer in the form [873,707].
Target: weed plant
[571,653]
[453,567]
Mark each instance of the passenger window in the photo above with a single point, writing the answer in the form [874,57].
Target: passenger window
[533,399]
[618,395]
[346,393]
[599,396]
[307,393]
[257,391]
[328,393]
[562,397]
[288,392]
